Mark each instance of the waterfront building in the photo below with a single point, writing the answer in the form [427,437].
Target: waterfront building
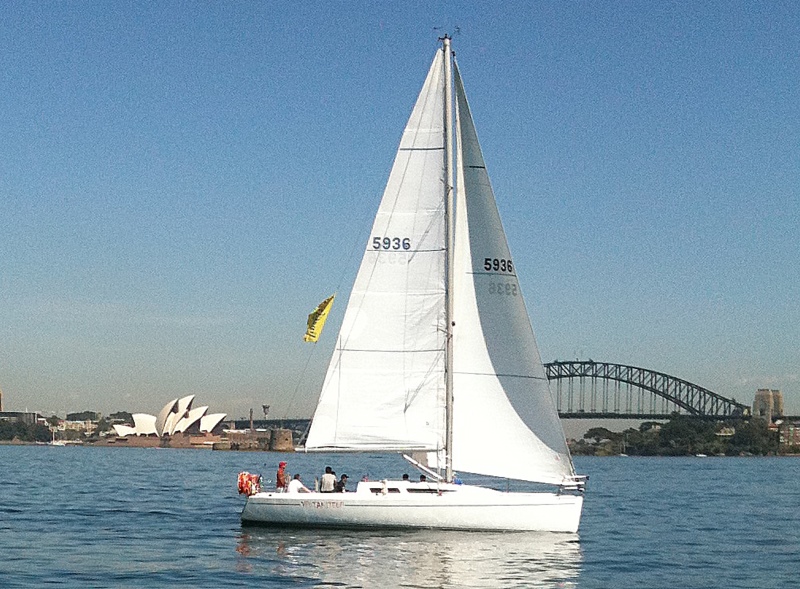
[26,417]
[768,404]
[789,435]
[83,426]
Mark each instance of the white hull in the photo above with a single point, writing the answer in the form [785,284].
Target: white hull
[415,505]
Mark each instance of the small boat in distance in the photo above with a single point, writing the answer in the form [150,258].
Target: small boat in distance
[436,343]
[53,441]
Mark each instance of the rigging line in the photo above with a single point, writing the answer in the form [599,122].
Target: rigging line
[300,378]
[432,366]
[344,266]
[354,243]
[411,251]
[394,351]
[498,374]
[355,239]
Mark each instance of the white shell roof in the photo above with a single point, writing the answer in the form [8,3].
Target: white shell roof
[144,423]
[172,421]
[191,417]
[165,412]
[184,404]
[209,422]
[181,412]
[124,430]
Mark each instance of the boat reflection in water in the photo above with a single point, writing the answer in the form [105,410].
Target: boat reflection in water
[440,559]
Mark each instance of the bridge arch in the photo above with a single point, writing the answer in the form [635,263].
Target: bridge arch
[599,400]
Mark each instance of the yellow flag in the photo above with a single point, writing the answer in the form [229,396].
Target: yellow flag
[316,320]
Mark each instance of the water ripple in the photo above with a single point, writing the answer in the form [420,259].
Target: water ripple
[91,517]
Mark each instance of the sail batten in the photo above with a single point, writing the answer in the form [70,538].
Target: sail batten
[420,149]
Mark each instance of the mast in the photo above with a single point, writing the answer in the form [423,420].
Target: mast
[449,240]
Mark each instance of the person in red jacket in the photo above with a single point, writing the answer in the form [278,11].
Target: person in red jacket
[280,478]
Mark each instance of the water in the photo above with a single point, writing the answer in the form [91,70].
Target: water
[106,517]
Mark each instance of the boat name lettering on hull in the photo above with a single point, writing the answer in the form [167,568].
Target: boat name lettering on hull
[322,504]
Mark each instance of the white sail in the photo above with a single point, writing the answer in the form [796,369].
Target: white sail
[501,392]
[388,386]
[384,388]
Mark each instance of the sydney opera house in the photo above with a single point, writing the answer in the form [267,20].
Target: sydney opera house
[175,421]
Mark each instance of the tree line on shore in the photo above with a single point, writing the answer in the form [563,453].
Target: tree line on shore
[24,432]
[43,432]
[682,436]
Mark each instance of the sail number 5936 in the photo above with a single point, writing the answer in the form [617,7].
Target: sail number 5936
[391,243]
[497,265]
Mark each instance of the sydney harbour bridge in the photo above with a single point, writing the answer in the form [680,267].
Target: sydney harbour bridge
[588,389]
[585,389]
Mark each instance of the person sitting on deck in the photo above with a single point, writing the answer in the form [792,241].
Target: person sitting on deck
[328,481]
[341,484]
[423,478]
[405,477]
[295,486]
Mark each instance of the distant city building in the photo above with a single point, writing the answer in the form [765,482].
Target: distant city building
[768,404]
[176,417]
[20,416]
[789,435]
[86,426]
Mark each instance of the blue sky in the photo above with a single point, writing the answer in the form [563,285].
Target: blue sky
[182,182]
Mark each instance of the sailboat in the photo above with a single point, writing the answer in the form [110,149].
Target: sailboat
[436,357]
